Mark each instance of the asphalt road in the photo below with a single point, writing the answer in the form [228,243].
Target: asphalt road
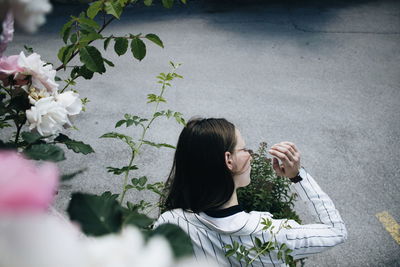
[323,75]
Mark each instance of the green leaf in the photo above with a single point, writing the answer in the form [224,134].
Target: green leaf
[148,2]
[230,253]
[118,171]
[121,46]
[138,48]
[113,8]
[69,176]
[94,8]
[92,59]
[31,137]
[66,30]
[107,42]
[85,73]
[177,238]
[119,123]
[179,119]
[45,152]
[4,124]
[89,22]
[142,180]
[74,38]
[125,138]
[124,2]
[155,98]
[258,242]
[137,219]
[158,145]
[183,1]
[168,3]
[28,49]
[96,215]
[155,39]
[65,53]
[109,63]
[86,38]
[76,146]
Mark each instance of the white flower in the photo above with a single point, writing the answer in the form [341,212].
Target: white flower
[39,241]
[47,116]
[115,250]
[29,14]
[43,76]
[35,94]
[70,101]
[156,253]
[128,249]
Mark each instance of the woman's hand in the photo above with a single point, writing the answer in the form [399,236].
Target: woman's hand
[290,157]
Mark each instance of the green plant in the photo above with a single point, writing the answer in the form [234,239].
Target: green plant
[248,255]
[144,124]
[267,191]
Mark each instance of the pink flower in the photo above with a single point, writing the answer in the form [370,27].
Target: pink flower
[9,65]
[25,186]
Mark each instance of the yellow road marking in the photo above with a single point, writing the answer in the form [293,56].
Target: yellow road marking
[390,225]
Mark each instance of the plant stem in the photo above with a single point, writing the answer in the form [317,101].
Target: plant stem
[126,177]
[19,127]
[136,150]
[69,83]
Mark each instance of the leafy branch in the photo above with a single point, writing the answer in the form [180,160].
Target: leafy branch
[164,79]
[249,255]
[80,32]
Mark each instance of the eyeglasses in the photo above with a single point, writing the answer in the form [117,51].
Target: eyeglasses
[250,151]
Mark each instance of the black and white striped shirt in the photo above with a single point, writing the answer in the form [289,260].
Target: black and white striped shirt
[209,235]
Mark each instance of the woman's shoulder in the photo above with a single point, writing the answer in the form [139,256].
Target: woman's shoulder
[174,214]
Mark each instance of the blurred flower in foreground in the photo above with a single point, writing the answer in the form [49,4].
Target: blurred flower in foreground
[25,186]
[46,241]
[38,240]
[29,14]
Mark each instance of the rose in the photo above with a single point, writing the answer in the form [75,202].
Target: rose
[70,101]
[9,66]
[43,75]
[47,116]
[24,186]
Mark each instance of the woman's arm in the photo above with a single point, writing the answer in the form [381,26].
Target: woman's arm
[311,238]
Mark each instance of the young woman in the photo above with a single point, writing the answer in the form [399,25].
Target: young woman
[211,162]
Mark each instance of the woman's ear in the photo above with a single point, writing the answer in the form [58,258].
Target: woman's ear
[228,160]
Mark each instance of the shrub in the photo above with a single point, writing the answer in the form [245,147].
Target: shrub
[267,191]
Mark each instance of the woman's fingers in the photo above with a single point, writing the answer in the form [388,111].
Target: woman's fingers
[294,147]
[277,168]
[289,155]
[285,149]
[282,156]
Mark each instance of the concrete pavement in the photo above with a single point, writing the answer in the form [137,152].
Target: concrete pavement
[323,75]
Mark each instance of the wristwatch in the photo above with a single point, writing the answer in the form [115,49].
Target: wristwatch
[297,178]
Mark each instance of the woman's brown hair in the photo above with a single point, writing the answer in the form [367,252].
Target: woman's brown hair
[199,179]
